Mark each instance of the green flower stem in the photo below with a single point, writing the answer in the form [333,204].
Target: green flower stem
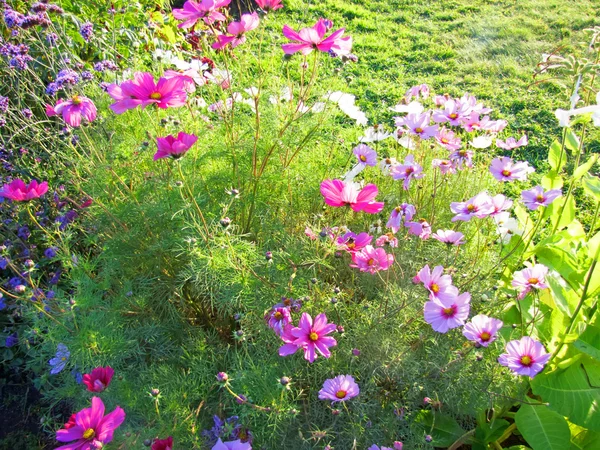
[32,216]
[193,200]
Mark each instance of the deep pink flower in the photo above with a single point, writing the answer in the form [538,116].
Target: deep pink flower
[500,204]
[525,356]
[18,191]
[339,193]
[418,124]
[407,171]
[232,445]
[482,329]
[536,197]
[311,336]
[449,237]
[511,143]
[447,139]
[339,389]
[289,347]
[398,214]
[504,169]
[74,109]
[206,10]
[237,31]
[91,427]
[446,166]
[445,314]
[353,242]
[435,282]
[123,96]
[309,39]
[371,259]
[167,93]
[175,147]
[163,444]
[366,155]
[479,206]
[278,318]
[269,5]
[420,228]
[530,278]
[98,379]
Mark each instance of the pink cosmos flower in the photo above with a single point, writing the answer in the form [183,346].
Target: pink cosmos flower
[435,282]
[18,191]
[366,155]
[278,318]
[339,193]
[445,314]
[511,143]
[447,139]
[339,389]
[536,197]
[269,5]
[420,228]
[175,147]
[454,113]
[123,96]
[461,157]
[503,169]
[404,211]
[530,278]
[449,237]
[353,242]
[189,77]
[289,347]
[309,39]
[206,10]
[446,166]
[416,91]
[237,31]
[371,259]
[479,206]
[98,379]
[311,336]
[167,93]
[482,329]
[92,428]
[74,109]
[232,445]
[407,171]
[492,126]
[500,204]
[163,444]
[387,239]
[525,356]
[418,124]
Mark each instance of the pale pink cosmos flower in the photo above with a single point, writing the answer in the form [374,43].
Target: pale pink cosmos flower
[237,31]
[500,204]
[407,171]
[462,157]
[420,228]
[435,281]
[190,78]
[493,126]
[18,191]
[174,147]
[311,336]
[353,242]
[504,169]
[232,445]
[444,314]
[479,206]
[482,329]
[525,356]
[371,259]
[536,197]
[447,139]
[386,165]
[471,122]
[440,100]
[454,113]
[511,143]
[449,237]
[418,125]
[339,193]
[530,278]
[471,102]
[366,155]
[420,90]
[269,5]
[387,239]
[207,10]
[445,166]
[278,318]
[339,389]
[400,213]
[74,110]
[309,39]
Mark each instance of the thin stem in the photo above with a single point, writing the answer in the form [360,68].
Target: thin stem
[193,199]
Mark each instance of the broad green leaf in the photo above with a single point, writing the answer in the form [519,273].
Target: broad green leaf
[582,439]
[570,393]
[443,429]
[561,260]
[542,428]
[557,157]
[591,186]
[561,216]
[552,180]
[585,167]
[589,342]
[565,299]
[593,246]
[489,432]
[572,141]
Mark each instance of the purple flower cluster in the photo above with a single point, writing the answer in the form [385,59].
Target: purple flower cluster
[17,55]
[87,31]
[107,64]
[228,429]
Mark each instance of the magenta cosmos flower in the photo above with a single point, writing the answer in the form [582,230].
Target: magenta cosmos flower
[418,124]
[435,282]
[398,214]
[371,259]
[278,318]
[92,428]
[339,193]
[74,110]
[143,91]
[420,228]
[482,329]
[206,10]
[447,313]
[504,169]
[175,147]
[237,31]
[511,143]
[536,197]
[525,356]
[353,242]
[18,191]
[232,445]
[163,444]
[269,5]
[339,389]
[311,336]
[407,171]
[366,155]
[530,278]
[98,379]
[479,206]
[309,39]
[449,237]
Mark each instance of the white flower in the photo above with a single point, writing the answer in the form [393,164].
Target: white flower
[318,107]
[252,91]
[413,107]
[374,134]
[481,142]
[564,117]
[506,226]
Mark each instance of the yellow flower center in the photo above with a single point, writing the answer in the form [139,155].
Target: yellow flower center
[89,433]
[435,288]
[409,170]
[539,198]
[363,158]
[453,115]
[533,281]
[418,130]
[340,394]
[398,209]
[155,96]
[350,245]
[506,173]
[470,208]
[63,359]
[485,336]
[449,312]
[370,262]
[526,360]
[313,336]
[445,140]
[76,100]
[278,315]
